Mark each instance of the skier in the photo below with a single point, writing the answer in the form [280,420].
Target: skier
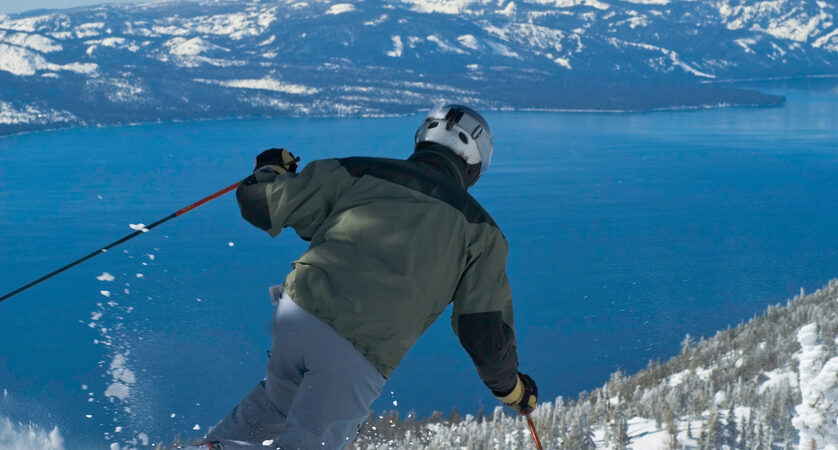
[393,242]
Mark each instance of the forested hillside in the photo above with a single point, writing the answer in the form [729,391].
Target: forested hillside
[744,388]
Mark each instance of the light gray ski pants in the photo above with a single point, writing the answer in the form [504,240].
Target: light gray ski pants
[317,393]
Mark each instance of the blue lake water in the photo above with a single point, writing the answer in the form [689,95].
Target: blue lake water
[626,232]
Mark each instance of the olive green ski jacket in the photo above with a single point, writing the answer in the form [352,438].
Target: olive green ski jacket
[393,242]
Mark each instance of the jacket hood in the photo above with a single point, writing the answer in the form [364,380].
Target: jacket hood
[444,160]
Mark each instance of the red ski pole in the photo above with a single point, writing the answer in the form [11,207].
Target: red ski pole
[534,434]
[177,213]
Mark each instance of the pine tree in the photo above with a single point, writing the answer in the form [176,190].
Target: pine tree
[757,442]
[731,433]
[711,437]
[764,441]
[745,432]
[687,347]
[671,430]
[621,437]
[579,437]
[455,417]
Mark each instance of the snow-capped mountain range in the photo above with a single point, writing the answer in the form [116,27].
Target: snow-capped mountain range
[222,58]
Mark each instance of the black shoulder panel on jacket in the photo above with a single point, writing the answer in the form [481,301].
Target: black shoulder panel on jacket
[419,178]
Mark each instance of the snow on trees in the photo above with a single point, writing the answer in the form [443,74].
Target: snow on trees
[818,411]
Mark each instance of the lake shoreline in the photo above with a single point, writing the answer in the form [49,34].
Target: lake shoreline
[719,98]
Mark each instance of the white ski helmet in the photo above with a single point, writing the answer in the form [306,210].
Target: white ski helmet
[461,129]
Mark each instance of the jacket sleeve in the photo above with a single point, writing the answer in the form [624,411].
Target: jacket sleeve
[483,318]
[299,200]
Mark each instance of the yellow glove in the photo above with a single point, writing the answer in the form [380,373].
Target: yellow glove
[524,396]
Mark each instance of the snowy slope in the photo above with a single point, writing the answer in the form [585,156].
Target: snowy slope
[220,58]
[769,383]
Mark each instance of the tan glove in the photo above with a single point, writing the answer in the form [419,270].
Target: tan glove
[524,396]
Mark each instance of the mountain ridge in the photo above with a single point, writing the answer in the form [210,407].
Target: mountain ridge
[175,60]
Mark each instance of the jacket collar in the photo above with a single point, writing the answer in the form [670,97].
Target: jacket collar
[442,160]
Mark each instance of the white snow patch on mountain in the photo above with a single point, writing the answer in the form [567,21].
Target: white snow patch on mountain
[509,10]
[440,6]
[35,42]
[468,41]
[19,61]
[503,50]
[634,21]
[443,44]
[19,436]
[266,18]
[572,3]
[794,28]
[170,30]
[746,44]
[195,61]
[375,22]
[29,24]
[112,42]
[564,62]
[828,41]
[22,62]
[340,8]
[534,36]
[235,25]
[10,115]
[266,84]
[398,47]
[671,54]
[180,46]
[82,68]
[117,90]
[89,29]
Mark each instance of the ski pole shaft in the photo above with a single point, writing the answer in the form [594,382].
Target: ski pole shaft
[104,249]
[534,434]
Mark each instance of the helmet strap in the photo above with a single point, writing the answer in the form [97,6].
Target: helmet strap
[473,173]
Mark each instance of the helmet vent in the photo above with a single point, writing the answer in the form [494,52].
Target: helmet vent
[463,137]
[433,125]
[477,132]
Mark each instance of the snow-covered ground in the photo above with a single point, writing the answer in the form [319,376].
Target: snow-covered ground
[753,388]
